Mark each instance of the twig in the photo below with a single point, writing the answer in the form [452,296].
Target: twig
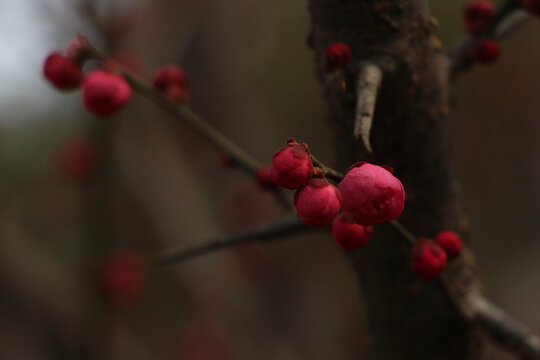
[504,329]
[273,232]
[327,171]
[403,231]
[509,18]
[183,112]
[242,158]
[368,83]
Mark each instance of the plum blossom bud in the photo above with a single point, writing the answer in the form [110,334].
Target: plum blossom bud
[428,259]
[477,14]
[450,242]
[62,72]
[348,235]
[486,51]
[371,194]
[263,177]
[169,75]
[291,166]
[104,93]
[338,55]
[317,202]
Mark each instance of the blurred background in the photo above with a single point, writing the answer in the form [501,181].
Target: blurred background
[153,183]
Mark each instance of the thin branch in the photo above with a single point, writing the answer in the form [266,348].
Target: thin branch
[504,329]
[272,232]
[327,171]
[183,112]
[509,18]
[403,231]
[368,83]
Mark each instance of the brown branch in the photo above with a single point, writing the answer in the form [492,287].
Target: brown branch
[509,18]
[327,171]
[368,82]
[183,112]
[288,226]
[503,329]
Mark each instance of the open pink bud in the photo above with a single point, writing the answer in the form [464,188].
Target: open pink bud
[477,14]
[317,202]
[371,194]
[348,235]
[105,93]
[62,72]
[428,259]
[291,166]
[450,242]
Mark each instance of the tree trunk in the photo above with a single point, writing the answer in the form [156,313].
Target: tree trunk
[409,318]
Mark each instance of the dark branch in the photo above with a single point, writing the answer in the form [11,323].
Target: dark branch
[327,171]
[183,112]
[503,329]
[275,231]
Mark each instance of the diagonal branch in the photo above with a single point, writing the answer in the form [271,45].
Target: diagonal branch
[509,18]
[288,226]
[183,112]
[503,329]
[368,84]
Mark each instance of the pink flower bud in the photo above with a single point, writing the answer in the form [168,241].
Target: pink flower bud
[263,177]
[532,6]
[428,259]
[348,235]
[486,51]
[124,277]
[317,202]
[450,242]
[105,93]
[78,159]
[371,194]
[291,166]
[477,14]
[338,55]
[62,72]
[170,75]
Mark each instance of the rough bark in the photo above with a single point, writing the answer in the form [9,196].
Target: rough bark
[409,318]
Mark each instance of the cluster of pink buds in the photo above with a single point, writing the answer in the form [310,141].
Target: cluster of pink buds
[104,90]
[430,257]
[477,14]
[368,195]
[173,82]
